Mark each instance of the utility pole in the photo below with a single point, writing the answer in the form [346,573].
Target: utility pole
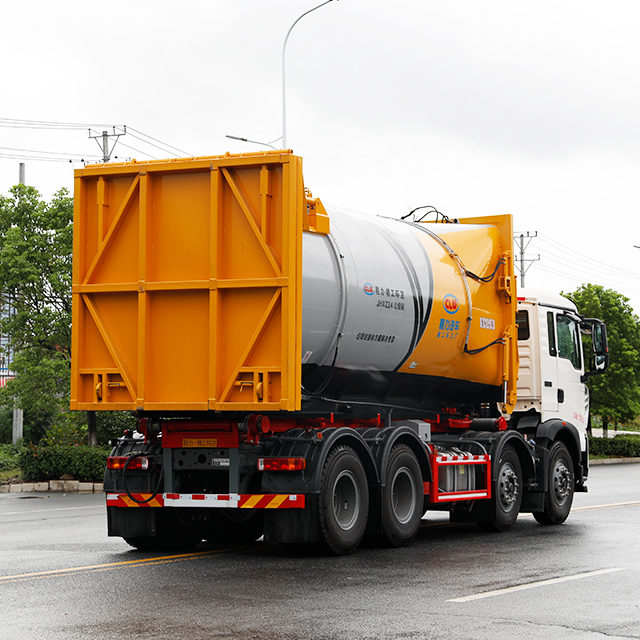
[17,431]
[103,141]
[522,242]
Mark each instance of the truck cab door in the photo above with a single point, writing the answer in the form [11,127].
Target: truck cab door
[571,392]
[548,362]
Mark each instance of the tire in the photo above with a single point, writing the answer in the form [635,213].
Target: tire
[559,497]
[344,501]
[507,496]
[402,497]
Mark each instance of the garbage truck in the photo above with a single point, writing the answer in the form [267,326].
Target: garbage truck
[314,375]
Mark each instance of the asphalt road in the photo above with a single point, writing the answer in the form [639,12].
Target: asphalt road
[61,577]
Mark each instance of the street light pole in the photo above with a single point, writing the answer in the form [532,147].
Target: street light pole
[263,144]
[284,93]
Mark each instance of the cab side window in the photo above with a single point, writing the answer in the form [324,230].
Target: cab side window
[522,320]
[569,340]
[551,330]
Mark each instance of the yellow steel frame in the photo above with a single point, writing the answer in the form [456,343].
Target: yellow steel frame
[269,210]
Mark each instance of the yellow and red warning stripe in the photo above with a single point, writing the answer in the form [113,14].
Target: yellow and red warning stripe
[215,501]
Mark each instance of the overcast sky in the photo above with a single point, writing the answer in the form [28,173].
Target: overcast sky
[492,107]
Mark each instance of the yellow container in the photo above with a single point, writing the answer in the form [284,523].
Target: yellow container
[186,284]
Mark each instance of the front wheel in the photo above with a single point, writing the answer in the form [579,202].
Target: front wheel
[559,497]
[344,501]
[508,492]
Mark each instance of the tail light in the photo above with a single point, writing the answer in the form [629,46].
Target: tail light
[138,463]
[281,464]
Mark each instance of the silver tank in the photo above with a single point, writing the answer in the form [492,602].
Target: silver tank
[367,291]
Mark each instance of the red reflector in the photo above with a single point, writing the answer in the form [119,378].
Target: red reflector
[281,464]
[116,463]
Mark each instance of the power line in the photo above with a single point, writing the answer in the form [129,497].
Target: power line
[588,260]
[587,270]
[57,153]
[122,144]
[7,156]
[156,140]
[46,124]
[15,123]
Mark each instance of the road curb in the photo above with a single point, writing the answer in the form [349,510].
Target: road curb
[614,461]
[67,486]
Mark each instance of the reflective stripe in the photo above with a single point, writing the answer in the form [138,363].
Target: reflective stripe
[215,501]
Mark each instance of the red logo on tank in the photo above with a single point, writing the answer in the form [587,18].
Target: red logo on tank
[368,289]
[450,303]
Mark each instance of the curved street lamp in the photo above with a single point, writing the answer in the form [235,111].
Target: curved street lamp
[283,137]
[262,144]
[284,94]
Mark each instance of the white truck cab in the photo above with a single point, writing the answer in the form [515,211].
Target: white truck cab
[554,365]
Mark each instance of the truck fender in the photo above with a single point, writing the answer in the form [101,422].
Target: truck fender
[550,431]
[382,441]
[315,448]
[522,449]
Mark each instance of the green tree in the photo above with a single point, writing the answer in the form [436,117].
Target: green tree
[36,246]
[36,240]
[615,396]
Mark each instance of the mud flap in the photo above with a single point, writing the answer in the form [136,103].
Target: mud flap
[131,522]
[292,526]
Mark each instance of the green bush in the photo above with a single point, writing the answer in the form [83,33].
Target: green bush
[8,457]
[70,427]
[622,446]
[6,425]
[65,434]
[42,463]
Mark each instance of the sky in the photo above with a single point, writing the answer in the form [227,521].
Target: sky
[476,108]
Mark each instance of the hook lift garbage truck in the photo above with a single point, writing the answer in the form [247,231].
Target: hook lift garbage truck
[311,374]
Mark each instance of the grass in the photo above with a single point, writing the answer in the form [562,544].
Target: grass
[10,475]
[9,469]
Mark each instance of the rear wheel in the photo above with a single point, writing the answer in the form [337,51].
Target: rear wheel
[344,501]
[508,492]
[559,497]
[402,497]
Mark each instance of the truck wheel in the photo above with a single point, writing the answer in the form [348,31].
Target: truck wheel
[559,496]
[344,501]
[507,497]
[402,497]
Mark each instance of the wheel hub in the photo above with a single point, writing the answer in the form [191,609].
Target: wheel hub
[346,500]
[561,481]
[508,487]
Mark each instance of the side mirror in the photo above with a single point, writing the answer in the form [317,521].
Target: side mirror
[599,337]
[600,346]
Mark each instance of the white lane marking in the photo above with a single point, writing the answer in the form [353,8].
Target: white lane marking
[607,506]
[22,513]
[533,585]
